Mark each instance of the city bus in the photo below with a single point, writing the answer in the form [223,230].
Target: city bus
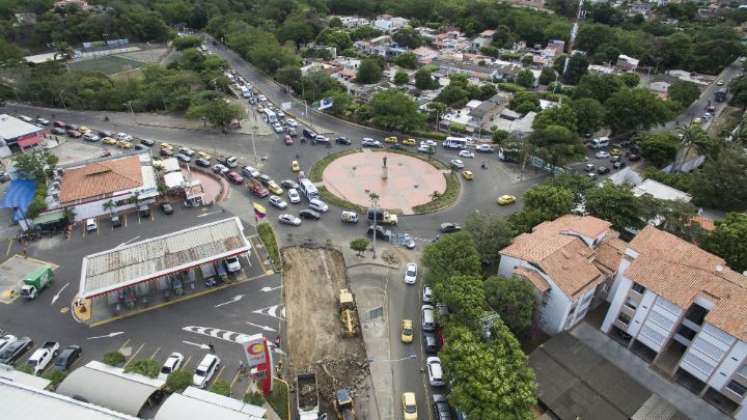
[457,142]
[308,188]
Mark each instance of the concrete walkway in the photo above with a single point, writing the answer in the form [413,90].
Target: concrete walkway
[685,401]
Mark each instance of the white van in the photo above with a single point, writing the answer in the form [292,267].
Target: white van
[600,142]
[205,370]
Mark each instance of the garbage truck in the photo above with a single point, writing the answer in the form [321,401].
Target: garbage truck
[307,396]
[37,281]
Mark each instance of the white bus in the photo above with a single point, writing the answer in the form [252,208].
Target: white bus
[457,142]
[271,116]
[308,188]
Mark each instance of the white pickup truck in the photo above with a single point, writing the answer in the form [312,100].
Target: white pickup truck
[43,356]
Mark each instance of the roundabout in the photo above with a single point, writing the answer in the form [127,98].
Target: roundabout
[402,182]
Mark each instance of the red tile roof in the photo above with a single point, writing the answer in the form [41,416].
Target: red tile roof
[101,178]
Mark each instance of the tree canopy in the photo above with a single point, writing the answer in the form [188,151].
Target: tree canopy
[490,232]
[514,299]
[728,240]
[394,110]
[452,255]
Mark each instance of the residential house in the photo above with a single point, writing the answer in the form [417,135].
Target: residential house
[505,70]
[426,33]
[27,18]
[389,24]
[656,189]
[86,187]
[376,46]
[661,88]
[532,4]
[683,310]
[601,69]
[513,122]
[568,261]
[686,76]
[16,134]
[62,4]
[644,9]
[425,55]
[317,66]
[451,40]
[353,21]
[554,47]
[484,39]
[626,63]
[484,114]
[482,72]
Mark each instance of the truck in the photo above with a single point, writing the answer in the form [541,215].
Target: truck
[37,281]
[307,396]
[720,95]
[348,313]
[382,217]
[43,356]
[344,405]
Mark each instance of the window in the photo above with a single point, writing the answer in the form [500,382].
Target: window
[737,388]
[638,288]
[573,309]
[630,303]
[587,298]
[743,371]
[624,318]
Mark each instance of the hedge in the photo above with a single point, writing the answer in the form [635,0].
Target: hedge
[268,238]
[114,358]
[38,203]
[221,387]
[278,399]
[145,367]
[330,198]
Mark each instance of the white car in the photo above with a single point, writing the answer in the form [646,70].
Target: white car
[171,365]
[42,356]
[220,169]
[484,148]
[457,163]
[602,155]
[424,148]
[291,123]
[369,142]
[250,172]
[467,154]
[7,339]
[427,294]
[124,136]
[411,273]
[435,373]
[91,225]
[289,219]
[318,205]
[205,370]
[429,142]
[293,196]
[278,202]
[278,128]
[233,265]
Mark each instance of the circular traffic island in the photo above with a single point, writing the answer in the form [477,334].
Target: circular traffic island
[403,182]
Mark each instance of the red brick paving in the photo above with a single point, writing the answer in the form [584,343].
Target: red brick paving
[410,181]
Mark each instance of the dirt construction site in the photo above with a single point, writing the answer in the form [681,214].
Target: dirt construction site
[313,279]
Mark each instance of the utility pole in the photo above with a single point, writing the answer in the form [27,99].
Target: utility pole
[375,205]
[254,129]
[574,31]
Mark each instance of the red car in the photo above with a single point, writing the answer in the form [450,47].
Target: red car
[288,140]
[234,177]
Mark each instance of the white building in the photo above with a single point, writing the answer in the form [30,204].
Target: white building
[682,309]
[388,24]
[566,260]
[86,187]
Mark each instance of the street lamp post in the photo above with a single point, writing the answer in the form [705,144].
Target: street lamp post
[374,204]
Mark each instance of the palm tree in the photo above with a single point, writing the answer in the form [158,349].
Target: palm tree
[109,205]
[693,137]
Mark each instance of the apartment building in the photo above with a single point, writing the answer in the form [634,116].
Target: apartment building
[684,311]
[569,261]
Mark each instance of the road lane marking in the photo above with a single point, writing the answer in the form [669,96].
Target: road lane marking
[134,355]
[189,359]
[124,344]
[10,245]
[220,373]
[233,381]
[153,356]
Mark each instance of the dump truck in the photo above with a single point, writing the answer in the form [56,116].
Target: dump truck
[344,405]
[37,281]
[307,396]
[348,313]
[382,217]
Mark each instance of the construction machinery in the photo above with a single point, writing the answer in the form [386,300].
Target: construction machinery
[307,396]
[344,405]
[348,313]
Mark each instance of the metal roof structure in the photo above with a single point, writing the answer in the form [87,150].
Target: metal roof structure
[137,262]
[210,406]
[103,385]
[12,127]
[21,401]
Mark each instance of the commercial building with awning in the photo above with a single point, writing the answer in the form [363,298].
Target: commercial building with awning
[151,259]
[210,406]
[110,387]
[15,132]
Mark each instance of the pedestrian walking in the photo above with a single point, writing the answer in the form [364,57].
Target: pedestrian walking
[277,341]
[211,347]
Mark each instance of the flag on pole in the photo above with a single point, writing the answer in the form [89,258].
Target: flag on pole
[259,212]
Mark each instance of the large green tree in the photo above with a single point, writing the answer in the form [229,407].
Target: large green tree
[515,300]
[659,149]
[590,115]
[369,71]
[392,109]
[424,80]
[490,232]
[490,380]
[617,205]
[218,112]
[562,115]
[729,240]
[722,183]
[598,86]
[556,144]
[633,109]
[465,298]
[525,78]
[450,256]
[683,93]
[552,201]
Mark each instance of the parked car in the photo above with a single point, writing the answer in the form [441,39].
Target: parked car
[233,264]
[589,167]
[407,241]
[430,342]
[14,350]
[293,196]
[219,169]
[183,158]
[43,356]
[250,172]
[318,205]
[343,140]
[187,151]
[58,131]
[441,407]
[288,140]
[278,202]
[428,318]
[205,370]
[369,142]
[203,163]
[411,273]
[91,225]
[288,183]
[6,340]
[166,152]
[320,139]
[381,233]
[602,170]
[619,164]
[289,219]
[449,227]
[274,188]
[147,142]
[435,371]
[74,134]
[167,208]
[602,154]
[67,357]
[349,216]
[234,177]
[172,364]
[309,214]
[427,294]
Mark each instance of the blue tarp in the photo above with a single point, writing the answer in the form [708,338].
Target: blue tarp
[18,196]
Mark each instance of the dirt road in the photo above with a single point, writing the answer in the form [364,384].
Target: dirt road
[312,280]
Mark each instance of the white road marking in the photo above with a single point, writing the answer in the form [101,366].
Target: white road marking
[267,289]
[200,345]
[233,300]
[111,334]
[127,242]
[208,213]
[59,292]
[262,327]
[272,311]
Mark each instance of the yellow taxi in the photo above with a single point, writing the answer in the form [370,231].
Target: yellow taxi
[468,175]
[391,139]
[409,142]
[166,146]
[274,188]
[506,199]
[203,155]
[409,406]
[616,151]
[295,167]
[108,140]
[122,144]
[84,130]
[407,333]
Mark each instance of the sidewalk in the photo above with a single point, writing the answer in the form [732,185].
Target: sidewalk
[685,401]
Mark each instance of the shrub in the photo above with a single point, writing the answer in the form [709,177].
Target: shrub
[510,87]
[268,238]
[25,368]
[179,381]
[254,398]
[55,375]
[278,399]
[221,388]
[145,367]
[114,358]
[442,200]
